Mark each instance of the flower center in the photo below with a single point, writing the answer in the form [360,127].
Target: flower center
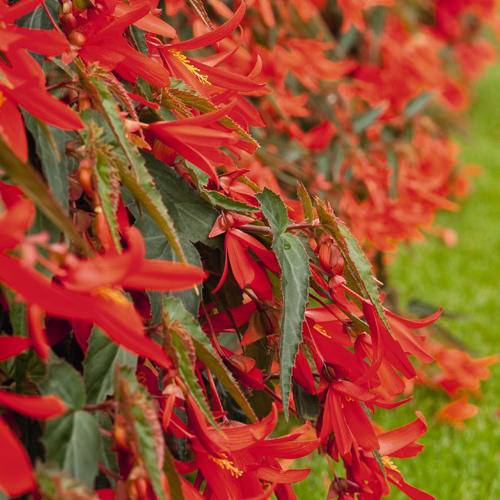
[190,67]
[225,463]
[389,463]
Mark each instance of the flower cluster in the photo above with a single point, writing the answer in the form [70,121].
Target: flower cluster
[167,300]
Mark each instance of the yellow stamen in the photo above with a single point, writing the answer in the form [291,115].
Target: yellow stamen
[224,463]
[321,330]
[389,463]
[190,67]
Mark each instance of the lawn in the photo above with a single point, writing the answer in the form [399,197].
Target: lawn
[456,465]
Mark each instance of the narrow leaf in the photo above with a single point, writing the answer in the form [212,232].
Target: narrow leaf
[305,201]
[174,480]
[134,404]
[295,273]
[418,103]
[222,201]
[364,120]
[51,148]
[354,257]
[26,177]
[206,353]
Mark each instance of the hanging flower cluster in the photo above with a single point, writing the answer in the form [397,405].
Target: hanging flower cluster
[166,296]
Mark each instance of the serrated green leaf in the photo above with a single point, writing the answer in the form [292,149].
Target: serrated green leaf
[64,381]
[173,478]
[206,353]
[295,273]
[364,120]
[274,210]
[418,103]
[133,173]
[54,484]
[135,405]
[223,201]
[203,104]
[25,176]
[73,442]
[99,365]
[51,148]
[108,189]
[305,201]
[354,257]
[185,365]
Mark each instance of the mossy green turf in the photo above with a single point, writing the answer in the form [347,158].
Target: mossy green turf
[465,280]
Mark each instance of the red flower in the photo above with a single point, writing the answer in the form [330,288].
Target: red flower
[246,270]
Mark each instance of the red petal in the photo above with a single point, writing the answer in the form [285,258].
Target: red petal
[165,276]
[16,475]
[213,36]
[12,346]
[33,406]
[394,441]
[37,331]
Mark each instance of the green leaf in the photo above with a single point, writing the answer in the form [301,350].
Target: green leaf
[220,200]
[274,210]
[182,350]
[73,443]
[99,365]
[54,484]
[51,148]
[295,273]
[294,264]
[108,187]
[136,407]
[24,175]
[38,19]
[133,172]
[364,120]
[192,215]
[305,201]
[206,353]
[417,104]
[64,381]
[173,478]
[354,257]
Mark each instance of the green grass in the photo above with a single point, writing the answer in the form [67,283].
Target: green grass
[456,465]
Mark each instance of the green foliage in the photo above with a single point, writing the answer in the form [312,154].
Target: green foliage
[295,274]
[99,366]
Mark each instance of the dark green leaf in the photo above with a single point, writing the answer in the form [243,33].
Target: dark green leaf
[73,443]
[99,365]
[64,381]
[133,173]
[418,103]
[35,188]
[274,210]
[51,148]
[205,352]
[108,187]
[295,273]
[223,201]
[364,120]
